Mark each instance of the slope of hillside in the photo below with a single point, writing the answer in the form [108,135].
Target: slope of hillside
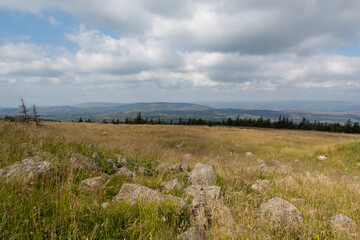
[59,208]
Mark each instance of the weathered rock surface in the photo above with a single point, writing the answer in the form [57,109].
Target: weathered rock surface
[180,145]
[221,214]
[172,167]
[171,185]
[261,185]
[193,233]
[105,205]
[278,211]
[249,154]
[95,155]
[122,161]
[81,162]
[202,175]
[212,199]
[27,169]
[92,184]
[111,164]
[321,157]
[197,215]
[135,192]
[204,194]
[344,224]
[124,171]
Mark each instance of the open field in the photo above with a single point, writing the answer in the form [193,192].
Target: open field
[57,208]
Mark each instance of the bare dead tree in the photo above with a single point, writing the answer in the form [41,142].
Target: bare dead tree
[35,115]
[24,117]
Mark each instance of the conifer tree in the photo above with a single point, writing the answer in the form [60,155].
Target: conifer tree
[23,117]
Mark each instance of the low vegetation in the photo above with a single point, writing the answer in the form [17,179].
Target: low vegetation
[57,208]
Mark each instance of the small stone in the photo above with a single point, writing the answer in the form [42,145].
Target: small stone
[322,157]
[249,154]
[122,161]
[193,233]
[95,156]
[260,161]
[92,184]
[125,172]
[344,224]
[111,163]
[202,175]
[105,205]
[171,185]
[288,181]
[187,156]
[180,145]
[81,162]
[261,185]
[278,211]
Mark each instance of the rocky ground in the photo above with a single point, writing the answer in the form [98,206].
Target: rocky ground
[108,194]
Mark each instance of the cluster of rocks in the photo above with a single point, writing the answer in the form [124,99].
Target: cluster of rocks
[279,212]
[204,199]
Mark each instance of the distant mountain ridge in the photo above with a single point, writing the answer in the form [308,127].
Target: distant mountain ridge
[97,111]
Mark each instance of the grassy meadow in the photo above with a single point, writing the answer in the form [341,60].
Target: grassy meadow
[57,209]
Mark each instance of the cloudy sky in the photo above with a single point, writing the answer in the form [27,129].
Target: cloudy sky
[65,51]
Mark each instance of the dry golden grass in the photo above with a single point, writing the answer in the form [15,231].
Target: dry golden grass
[326,187]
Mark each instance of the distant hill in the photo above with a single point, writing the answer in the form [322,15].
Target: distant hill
[97,111]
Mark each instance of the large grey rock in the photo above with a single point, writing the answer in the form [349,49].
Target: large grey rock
[92,184]
[171,185]
[124,171]
[81,162]
[193,233]
[204,194]
[281,212]
[135,192]
[212,199]
[202,175]
[27,170]
[172,167]
[344,224]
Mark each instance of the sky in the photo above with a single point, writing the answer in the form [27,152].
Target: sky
[63,52]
